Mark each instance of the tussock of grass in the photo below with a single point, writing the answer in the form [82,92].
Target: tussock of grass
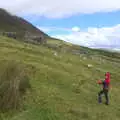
[13,83]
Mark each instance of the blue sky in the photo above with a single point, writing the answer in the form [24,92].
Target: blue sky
[92,23]
[96,20]
[82,20]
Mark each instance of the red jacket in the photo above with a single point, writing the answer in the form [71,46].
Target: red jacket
[106,83]
[107,78]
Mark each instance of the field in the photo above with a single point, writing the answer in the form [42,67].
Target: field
[63,86]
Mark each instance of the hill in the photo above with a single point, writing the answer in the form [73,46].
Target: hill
[10,23]
[62,46]
[63,86]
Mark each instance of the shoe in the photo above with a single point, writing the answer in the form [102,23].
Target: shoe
[99,102]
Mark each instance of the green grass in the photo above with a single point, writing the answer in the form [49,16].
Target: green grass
[63,87]
[11,23]
[14,82]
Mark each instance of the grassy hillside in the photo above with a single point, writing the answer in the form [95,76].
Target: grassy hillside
[60,45]
[10,23]
[63,86]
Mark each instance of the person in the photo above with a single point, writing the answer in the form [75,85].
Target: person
[105,90]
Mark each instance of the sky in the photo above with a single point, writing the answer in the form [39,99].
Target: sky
[91,23]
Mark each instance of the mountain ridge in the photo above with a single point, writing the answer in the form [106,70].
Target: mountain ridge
[12,23]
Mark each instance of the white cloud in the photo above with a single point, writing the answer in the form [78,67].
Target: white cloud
[116,49]
[61,8]
[95,37]
[76,29]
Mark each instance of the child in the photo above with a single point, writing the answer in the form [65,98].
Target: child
[105,90]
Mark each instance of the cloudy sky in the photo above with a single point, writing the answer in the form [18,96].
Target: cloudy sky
[92,23]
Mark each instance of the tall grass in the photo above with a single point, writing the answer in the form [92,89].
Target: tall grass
[14,82]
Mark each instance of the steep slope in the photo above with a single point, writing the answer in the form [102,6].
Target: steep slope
[10,23]
[63,86]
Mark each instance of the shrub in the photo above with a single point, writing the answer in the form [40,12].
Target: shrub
[14,82]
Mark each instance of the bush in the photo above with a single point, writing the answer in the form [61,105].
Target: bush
[14,82]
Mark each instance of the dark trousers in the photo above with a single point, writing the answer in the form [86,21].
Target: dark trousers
[105,92]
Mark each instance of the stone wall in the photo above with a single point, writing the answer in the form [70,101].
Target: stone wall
[9,34]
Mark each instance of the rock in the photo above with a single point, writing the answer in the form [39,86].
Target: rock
[84,58]
[55,54]
[90,65]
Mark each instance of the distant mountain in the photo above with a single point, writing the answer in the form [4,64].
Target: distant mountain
[10,23]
